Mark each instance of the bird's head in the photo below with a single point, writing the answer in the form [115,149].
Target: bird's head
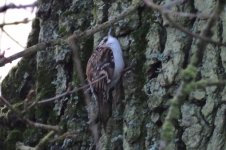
[110,41]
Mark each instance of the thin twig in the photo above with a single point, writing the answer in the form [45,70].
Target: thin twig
[207,32]
[63,94]
[70,92]
[26,20]
[42,126]
[70,134]
[41,46]
[10,106]
[74,44]
[3,20]
[18,43]
[191,33]
[29,122]
[21,146]
[188,78]
[26,52]
[166,13]
[39,146]
[44,140]
[173,3]
[166,9]
[189,15]
[13,6]
[107,24]
[206,83]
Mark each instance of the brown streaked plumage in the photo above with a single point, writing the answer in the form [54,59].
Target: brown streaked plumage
[106,60]
[101,64]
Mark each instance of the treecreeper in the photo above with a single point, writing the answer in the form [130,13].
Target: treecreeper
[104,70]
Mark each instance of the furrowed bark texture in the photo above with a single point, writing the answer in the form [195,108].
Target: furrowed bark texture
[157,53]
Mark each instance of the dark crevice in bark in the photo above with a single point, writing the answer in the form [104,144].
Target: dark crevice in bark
[187,48]
[69,68]
[153,71]
[106,7]
[199,103]
[163,37]
[180,145]
[221,70]
[209,124]
[140,14]
[45,9]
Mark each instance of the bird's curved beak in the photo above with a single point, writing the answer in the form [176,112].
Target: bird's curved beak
[109,31]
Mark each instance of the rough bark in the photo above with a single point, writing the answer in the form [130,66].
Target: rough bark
[158,53]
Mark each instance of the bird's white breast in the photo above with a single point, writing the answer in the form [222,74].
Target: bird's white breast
[119,62]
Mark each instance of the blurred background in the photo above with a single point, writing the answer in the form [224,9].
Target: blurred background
[13,37]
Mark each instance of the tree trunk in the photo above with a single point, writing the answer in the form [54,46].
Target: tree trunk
[157,53]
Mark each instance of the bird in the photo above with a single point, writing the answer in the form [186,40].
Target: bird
[105,67]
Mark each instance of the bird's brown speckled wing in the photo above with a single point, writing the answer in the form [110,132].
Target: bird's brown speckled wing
[101,63]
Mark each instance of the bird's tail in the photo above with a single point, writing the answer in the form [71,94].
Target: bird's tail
[104,98]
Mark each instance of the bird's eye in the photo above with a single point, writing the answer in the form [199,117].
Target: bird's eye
[105,40]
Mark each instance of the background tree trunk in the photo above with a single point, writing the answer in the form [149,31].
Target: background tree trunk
[157,53]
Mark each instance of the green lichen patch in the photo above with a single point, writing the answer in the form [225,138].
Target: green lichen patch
[189,73]
[137,52]
[167,131]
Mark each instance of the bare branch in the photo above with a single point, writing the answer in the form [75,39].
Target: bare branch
[189,15]
[63,94]
[10,106]
[74,44]
[205,83]
[13,6]
[41,46]
[39,146]
[105,25]
[188,77]
[12,38]
[207,32]
[26,20]
[176,25]
[173,3]
[71,134]
[21,146]
[68,92]
[29,122]
[26,52]
[165,10]
[44,140]
[42,126]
